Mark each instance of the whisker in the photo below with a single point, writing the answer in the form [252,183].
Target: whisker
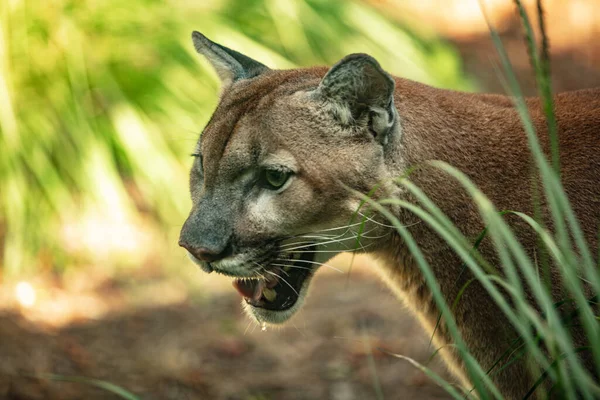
[374,221]
[260,268]
[302,333]
[247,326]
[354,237]
[329,229]
[340,241]
[358,244]
[283,279]
[331,236]
[327,251]
[310,262]
[264,278]
[314,234]
[339,227]
[314,251]
[320,237]
[283,272]
[290,266]
[307,243]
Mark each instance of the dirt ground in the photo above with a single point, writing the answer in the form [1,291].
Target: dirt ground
[204,348]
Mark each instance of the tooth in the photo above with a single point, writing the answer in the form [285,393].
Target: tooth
[270,294]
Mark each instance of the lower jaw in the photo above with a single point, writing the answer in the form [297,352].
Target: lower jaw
[270,313]
[277,317]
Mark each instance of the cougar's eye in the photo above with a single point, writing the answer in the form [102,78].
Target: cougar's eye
[274,179]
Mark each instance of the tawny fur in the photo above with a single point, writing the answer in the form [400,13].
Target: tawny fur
[479,134]
[482,135]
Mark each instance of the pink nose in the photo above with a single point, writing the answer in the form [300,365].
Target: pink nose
[202,253]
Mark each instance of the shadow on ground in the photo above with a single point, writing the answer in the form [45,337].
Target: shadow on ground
[207,350]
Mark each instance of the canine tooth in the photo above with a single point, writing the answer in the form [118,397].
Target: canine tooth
[269,294]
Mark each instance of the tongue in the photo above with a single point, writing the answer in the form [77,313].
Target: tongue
[251,289]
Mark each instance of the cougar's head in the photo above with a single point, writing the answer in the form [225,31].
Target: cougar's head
[277,169]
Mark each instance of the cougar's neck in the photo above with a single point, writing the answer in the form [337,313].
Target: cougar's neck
[438,124]
[469,131]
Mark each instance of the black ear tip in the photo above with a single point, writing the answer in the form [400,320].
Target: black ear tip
[367,59]
[362,57]
[201,42]
[198,37]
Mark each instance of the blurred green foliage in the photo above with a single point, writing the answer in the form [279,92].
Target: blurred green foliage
[101,102]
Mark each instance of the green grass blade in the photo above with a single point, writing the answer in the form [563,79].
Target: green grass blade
[481,381]
[371,360]
[541,67]
[107,386]
[431,374]
[526,268]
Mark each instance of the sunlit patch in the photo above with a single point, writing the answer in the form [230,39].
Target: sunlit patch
[45,301]
[25,294]
[106,236]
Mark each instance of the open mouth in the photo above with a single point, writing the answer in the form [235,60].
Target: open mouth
[280,289]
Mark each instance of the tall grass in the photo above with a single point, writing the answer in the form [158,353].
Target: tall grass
[101,102]
[559,366]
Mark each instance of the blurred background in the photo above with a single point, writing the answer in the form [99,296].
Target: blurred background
[101,103]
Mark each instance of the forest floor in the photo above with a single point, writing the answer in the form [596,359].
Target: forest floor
[198,344]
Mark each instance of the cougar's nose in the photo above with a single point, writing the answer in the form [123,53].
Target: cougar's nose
[207,233]
[203,253]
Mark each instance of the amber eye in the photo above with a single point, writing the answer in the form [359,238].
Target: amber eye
[275,178]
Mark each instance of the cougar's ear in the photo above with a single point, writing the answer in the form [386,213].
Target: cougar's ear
[357,85]
[229,64]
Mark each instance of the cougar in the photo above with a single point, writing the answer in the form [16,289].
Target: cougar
[280,167]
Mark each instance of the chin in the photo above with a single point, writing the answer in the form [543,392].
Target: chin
[277,292]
